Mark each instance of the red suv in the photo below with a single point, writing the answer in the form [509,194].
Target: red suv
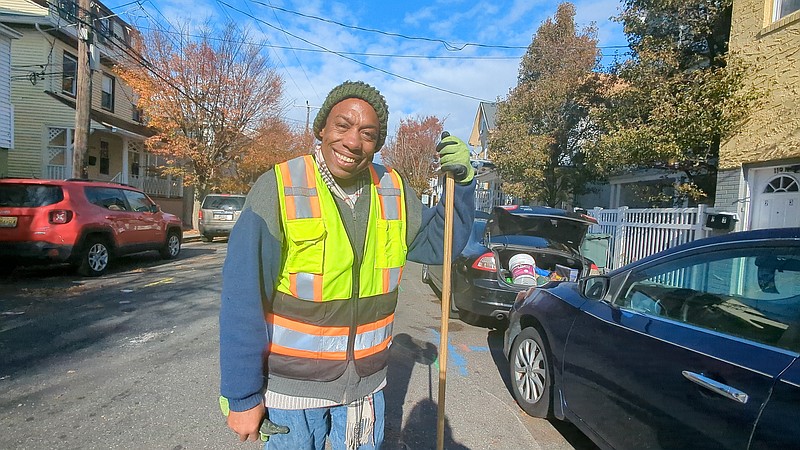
[85,223]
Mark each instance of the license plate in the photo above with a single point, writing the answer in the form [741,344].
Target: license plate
[8,222]
[223,216]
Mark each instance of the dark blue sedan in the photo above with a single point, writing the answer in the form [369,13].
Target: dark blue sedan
[694,347]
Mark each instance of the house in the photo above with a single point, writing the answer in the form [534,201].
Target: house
[43,92]
[488,192]
[6,107]
[759,168]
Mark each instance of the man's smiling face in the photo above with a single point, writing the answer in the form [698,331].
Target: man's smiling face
[349,138]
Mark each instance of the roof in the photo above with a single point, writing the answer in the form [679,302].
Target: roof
[487,111]
[22,11]
[110,121]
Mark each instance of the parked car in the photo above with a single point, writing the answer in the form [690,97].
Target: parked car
[482,282]
[218,213]
[693,347]
[82,222]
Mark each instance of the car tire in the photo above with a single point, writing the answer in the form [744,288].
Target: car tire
[95,257]
[426,275]
[172,247]
[531,374]
[206,238]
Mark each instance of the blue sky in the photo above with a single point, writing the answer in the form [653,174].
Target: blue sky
[431,74]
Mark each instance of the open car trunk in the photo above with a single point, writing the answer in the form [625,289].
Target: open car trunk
[551,265]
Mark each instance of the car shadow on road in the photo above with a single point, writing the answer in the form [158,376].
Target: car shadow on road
[570,432]
[420,430]
[49,312]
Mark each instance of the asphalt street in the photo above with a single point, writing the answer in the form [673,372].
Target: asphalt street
[130,361]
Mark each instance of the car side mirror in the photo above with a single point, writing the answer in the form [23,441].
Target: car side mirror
[594,288]
[154,208]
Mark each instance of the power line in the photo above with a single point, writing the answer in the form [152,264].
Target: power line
[316,50]
[447,45]
[430,86]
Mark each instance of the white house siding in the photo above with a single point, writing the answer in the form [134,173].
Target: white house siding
[6,109]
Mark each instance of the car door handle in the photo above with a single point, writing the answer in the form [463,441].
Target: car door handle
[717,387]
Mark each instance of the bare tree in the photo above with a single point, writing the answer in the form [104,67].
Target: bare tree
[412,151]
[206,96]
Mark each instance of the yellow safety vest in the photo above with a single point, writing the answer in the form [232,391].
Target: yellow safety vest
[316,323]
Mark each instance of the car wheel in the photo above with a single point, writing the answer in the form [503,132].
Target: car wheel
[172,247]
[531,377]
[426,275]
[206,238]
[95,257]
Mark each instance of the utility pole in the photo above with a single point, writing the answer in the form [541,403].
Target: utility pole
[83,97]
[308,114]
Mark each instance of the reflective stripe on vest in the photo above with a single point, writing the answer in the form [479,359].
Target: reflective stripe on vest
[314,229]
[385,242]
[298,339]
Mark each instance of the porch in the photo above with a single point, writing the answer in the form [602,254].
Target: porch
[114,156]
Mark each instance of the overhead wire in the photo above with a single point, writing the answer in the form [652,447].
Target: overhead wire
[449,46]
[402,77]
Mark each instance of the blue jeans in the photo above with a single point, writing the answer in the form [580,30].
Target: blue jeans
[308,428]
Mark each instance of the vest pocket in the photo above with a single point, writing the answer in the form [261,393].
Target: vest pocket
[390,244]
[307,250]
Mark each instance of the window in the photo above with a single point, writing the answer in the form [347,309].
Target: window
[138,201]
[751,293]
[69,75]
[108,198]
[785,7]
[138,114]
[104,160]
[782,183]
[107,100]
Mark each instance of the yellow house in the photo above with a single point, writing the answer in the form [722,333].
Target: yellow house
[759,168]
[43,91]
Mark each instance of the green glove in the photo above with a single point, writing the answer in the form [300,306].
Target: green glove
[454,158]
[268,428]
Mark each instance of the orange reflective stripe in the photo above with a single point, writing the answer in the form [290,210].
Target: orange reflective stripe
[311,182]
[396,183]
[375,325]
[307,328]
[291,211]
[317,288]
[281,350]
[386,280]
[373,350]
[374,174]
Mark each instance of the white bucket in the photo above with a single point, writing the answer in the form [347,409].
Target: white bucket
[522,266]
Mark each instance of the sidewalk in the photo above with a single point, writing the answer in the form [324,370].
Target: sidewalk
[191,236]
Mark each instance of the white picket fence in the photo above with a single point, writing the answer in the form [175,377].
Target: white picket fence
[637,233]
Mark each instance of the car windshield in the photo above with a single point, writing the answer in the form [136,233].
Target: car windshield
[29,195]
[223,202]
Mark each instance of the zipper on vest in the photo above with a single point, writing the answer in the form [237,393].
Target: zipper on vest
[351,336]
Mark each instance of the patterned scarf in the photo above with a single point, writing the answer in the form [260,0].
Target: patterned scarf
[330,181]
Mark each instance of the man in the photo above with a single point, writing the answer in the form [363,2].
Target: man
[310,281]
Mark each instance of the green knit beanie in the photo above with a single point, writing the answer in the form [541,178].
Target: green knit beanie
[354,89]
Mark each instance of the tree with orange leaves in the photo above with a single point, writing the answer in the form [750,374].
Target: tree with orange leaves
[412,151]
[207,97]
